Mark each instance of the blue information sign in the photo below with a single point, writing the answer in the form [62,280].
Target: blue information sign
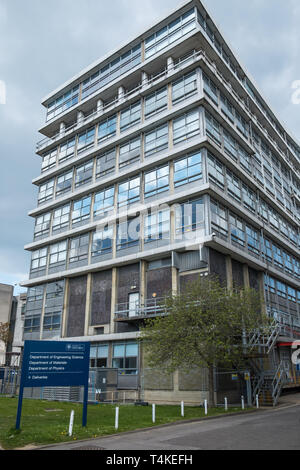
[55,364]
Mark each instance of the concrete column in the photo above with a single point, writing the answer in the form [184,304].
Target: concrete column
[121,93]
[143,281]
[174,281]
[65,310]
[144,79]
[143,51]
[246,276]
[172,224]
[114,297]
[229,273]
[170,63]
[99,106]
[62,129]
[80,117]
[88,304]
[261,282]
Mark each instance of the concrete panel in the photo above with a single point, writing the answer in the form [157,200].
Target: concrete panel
[76,306]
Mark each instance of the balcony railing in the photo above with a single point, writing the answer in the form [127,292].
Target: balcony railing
[131,311]
[193,57]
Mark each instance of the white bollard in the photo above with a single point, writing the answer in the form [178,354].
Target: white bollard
[182,408]
[243,403]
[71,423]
[153,413]
[205,407]
[117,418]
[226,405]
[257,403]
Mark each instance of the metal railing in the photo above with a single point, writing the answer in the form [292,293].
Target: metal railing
[150,308]
[149,82]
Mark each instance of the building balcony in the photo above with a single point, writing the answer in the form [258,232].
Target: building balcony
[132,312]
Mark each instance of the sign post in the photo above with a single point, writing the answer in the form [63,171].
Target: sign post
[55,364]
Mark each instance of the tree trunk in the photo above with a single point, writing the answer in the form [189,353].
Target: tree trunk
[211,386]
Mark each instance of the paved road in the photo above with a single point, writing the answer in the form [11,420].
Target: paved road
[268,429]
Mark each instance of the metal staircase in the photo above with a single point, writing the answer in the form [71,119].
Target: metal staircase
[266,383]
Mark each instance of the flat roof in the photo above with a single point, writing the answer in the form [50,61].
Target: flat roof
[84,73]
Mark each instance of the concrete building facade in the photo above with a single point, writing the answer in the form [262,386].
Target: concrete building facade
[159,163]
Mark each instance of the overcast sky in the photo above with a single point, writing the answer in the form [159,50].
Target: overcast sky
[43,43]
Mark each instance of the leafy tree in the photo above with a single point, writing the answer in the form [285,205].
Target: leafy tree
[204,326]
[4,333]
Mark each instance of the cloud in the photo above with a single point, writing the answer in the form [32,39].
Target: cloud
[43,44]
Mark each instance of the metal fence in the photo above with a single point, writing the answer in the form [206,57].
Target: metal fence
[105,386]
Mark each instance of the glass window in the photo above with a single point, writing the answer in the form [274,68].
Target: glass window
[67,150]
[107,129]
[156,140]
[215,171]
[209,88]
[64,183]
[49,160]
[130,116]
[219,218]
[233,186]
[184,87]
[253,240]
[157,226]
[86,140]
[189,217]
[84,174]
[129,192]
[230,145]
[111,71]
[237,230]
[42,226]
[62,103]
[104,203]
[170,33]
[46,192]
[61,218]
[188,169]
[81,210]
[130,152]
[39,259]
[128,234]
[242,125]
[52,321]
[156,102]
[249,198]
[102,241]
[186,127]
[99,355]
[245,160]
[58,253]
[157,181]
[79,247]
[227,108]
[106,163]
[213,128]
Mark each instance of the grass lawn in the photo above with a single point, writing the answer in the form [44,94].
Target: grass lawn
[45,422]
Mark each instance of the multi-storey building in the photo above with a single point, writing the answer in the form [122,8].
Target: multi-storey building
[159,162]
